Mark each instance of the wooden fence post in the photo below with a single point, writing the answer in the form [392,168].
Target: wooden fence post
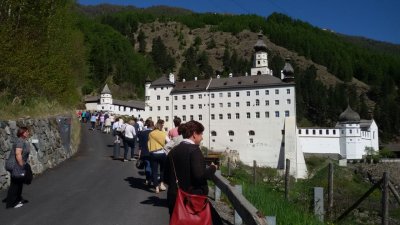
[330,191]
[238,219]
[287,178]
[385,199]
[254,172]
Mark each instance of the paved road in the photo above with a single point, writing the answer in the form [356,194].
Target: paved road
[89,189]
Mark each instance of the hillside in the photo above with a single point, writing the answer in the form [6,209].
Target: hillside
[84,47]
[242,42]
[331,70]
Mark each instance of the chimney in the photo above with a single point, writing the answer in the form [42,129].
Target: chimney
[230,75]
[218,76]
[183,80]
[246,74]
[195,78]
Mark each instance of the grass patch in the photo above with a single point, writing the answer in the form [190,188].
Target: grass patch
[268,197]
[36,107]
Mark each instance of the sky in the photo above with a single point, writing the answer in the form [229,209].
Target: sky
[374,19]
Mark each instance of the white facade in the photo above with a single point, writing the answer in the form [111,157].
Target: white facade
[106,103]
[347,140]
[254,115]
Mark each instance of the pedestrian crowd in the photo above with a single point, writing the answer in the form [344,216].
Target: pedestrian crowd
[167,157]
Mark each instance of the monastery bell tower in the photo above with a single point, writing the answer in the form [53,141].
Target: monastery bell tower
[260,63]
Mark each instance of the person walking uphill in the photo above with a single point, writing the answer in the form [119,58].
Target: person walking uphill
[129,140]
[18,157]
[156,143]
[190,167]
[144,153]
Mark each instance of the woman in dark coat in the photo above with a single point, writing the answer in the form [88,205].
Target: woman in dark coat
[20,151]
[191,170]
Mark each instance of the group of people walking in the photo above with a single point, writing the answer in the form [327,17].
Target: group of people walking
[168,157]
[173,156]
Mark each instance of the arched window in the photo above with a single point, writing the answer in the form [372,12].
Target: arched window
[231,133]
[213,133]
[251,132]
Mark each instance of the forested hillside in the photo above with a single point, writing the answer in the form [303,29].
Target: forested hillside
[61,51]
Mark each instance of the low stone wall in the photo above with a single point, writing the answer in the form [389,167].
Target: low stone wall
[50,143]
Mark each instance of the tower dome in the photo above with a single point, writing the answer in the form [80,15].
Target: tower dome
[349,116]
[287,72]
[260,45]
[106,90]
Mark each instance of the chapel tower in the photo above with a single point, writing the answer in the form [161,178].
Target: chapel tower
[106,98]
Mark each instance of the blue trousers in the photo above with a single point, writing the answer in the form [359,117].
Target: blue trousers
[157,161]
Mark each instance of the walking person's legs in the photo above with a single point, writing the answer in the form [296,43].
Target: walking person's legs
[126,149]
[162,159]
[14,193]
[154,170]
[133,148]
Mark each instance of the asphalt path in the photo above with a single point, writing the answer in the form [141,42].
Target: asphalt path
[89,189]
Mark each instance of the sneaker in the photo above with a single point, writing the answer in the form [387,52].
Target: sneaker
[125,160]
[20,204]
[157,190]
[132,159]
[162,187]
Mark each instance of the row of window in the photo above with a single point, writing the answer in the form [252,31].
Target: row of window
[229,94]
[221,105]
[315,131]
[232,133]
[327,131]
[248,115]
[251,140]
[230,116]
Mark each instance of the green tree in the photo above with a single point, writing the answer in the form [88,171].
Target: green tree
[162,59]
[141,38]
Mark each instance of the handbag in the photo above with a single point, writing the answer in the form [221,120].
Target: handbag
[22,173]
[190,208]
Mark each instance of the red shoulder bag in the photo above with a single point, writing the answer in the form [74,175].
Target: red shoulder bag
[190,209]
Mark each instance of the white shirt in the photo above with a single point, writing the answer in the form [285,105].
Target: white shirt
[130,131]
[115,125]
[140,123]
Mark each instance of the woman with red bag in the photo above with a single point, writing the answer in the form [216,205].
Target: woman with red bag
[186,164]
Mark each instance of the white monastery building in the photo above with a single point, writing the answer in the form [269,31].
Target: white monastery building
[106,103]
[254,115]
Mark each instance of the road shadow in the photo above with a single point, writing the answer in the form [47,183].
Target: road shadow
[155,201]
[138,183]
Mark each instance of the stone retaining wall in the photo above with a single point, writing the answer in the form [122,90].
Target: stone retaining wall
[53,137]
